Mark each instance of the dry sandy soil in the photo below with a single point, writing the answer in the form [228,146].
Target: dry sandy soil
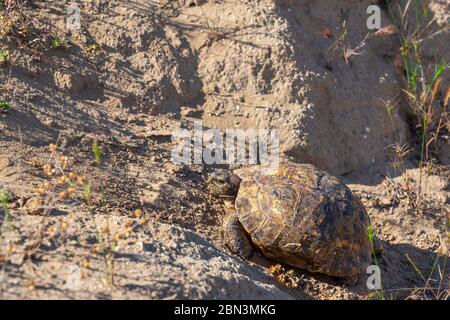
[147,228]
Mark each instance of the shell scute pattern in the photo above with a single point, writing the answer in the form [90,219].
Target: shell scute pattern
[304,217]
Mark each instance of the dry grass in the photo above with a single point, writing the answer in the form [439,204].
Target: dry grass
[427,99]
[428,108]
[425,96]
[64,188]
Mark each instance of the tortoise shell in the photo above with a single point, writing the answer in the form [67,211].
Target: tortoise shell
[304,217]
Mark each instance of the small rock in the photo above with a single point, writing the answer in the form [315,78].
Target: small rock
[391,237]
[34,206]
[385,202]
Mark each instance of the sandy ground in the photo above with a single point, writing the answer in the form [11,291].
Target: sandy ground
[147,228]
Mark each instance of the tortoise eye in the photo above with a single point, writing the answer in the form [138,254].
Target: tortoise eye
[217,177]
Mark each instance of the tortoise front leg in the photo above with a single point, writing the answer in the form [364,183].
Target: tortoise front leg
[234,234]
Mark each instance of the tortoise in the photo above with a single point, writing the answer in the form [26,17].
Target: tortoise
[297,215]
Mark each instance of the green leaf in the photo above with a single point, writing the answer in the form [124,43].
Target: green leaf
[4,197]
[56,43]
[4,56]
[4,106]
[96,150]
[87,193]
[370,233]
[438,72]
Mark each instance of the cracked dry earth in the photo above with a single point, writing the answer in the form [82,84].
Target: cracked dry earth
[147,228]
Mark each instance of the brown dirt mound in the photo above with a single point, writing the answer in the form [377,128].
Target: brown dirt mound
[137,71]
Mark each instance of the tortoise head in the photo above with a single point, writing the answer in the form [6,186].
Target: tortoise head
[224,183]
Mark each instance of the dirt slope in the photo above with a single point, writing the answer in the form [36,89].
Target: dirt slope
[137,71]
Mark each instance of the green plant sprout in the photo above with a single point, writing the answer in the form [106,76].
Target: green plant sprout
[4,199]
[93,49]
[87,193]
[4,56]
[371,235]
[4,106]
[56,43]
[96,150]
